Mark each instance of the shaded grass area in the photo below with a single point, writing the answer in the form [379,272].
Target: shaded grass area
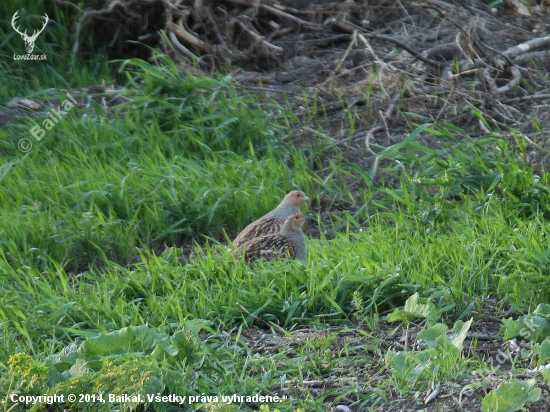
[381,267]
[159,168]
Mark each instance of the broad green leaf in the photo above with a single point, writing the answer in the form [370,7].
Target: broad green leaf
[133,340]
[542,310]
[432,334]
[545,350]
[460,330]
[529,328]
[511,396]
[414,308]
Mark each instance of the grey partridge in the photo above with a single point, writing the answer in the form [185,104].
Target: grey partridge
[272,223]
[289,242]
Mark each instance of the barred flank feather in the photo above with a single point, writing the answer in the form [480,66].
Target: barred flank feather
[289,242]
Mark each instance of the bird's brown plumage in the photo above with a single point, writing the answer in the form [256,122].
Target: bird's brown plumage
[289,242]
[272,222]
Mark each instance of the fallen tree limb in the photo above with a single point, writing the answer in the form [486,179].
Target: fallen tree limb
[527,98]
[182,49]
[287,16]
[187,37]
[258,37]
[527,46]
[512,83]
[543,54]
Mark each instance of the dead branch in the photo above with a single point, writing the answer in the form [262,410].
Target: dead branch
[257,36]
[527,46]
[432,395]
[346,53]
[295,11]
[287,16]
[350,29]
[383,117]
[245,3]
[385,126]
[181,48]
[512,83]
[187,37]
[527,98]
[543,54]
[260,37]
[484,336]
[328,40]
[404,46]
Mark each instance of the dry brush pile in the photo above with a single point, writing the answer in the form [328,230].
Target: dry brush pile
[392,60]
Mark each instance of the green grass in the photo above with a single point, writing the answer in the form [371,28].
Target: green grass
[186,160]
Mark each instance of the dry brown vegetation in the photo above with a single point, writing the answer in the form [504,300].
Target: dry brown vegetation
[372,68]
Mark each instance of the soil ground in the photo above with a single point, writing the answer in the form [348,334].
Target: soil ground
[483,344]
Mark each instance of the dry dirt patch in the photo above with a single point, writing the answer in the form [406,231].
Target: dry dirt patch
[483,344]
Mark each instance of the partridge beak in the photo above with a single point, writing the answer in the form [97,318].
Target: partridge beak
[306,198]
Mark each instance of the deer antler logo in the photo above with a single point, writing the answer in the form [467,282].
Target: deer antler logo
[29,40]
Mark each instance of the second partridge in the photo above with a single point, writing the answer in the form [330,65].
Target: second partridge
[289,242]
[272,222]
